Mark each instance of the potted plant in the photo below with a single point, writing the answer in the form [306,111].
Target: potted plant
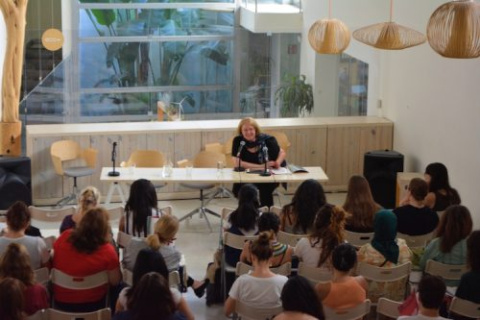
[295,95]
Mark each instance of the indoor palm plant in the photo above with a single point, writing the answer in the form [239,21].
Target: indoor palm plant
[295,96]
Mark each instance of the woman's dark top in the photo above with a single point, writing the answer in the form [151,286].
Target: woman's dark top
[469,288]
[257,156]
[443,201]
[415,221]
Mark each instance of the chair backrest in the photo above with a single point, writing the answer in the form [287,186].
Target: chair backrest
[379,274]
[215,147]
[208,159]
[64,150]
[102,314]
[416,241]
[39,315]
[264,209]
[244,310]
[146,159]
[174,279]
[236,241]
[281,138]
[151,220]
[290,238]
[446,271]
[388,308]
[276,210]
[127,277]
[77,282]
[123,239]
[42,276]
[115,213]
[358,239]
[284,269]
[465,308]
[314,274]
[49,214]
[49,241]
[356,312]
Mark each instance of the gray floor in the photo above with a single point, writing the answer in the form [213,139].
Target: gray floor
[197,243]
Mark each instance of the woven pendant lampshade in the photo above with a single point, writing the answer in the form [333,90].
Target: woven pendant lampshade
[329,36]
[453,30]
[389,35]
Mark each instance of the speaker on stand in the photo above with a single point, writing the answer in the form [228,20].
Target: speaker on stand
[15,181]
[380,169]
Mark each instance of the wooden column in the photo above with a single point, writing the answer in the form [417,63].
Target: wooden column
[14,13]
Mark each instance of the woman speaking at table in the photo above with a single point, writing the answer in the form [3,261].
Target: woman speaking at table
[251,149]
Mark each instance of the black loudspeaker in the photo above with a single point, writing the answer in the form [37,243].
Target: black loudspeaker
[15,181]
[380,169]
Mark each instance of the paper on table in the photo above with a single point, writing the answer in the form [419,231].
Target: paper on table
[281,170]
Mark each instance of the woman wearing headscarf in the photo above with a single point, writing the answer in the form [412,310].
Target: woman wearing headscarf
[385,251]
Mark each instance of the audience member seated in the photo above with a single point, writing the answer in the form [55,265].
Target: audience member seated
[89,198]
[18,219]
[11,299]
[282,253]
[385,251]
[165,233]
[261,288]
[430,295]
[344,291]
[413,217]
[151,299]
[440,193]
[468,289]
[360,206]
[243,221]
[300,301]
[141,204]
[297,216]
[15,263]
[84,251]
[149,260]
[327,233]
[450,244]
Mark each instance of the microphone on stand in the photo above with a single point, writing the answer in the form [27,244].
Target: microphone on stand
[114,173]
[265,172]
[239,153]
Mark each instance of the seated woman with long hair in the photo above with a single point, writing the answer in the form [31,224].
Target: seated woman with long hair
[15,263]
[84,251]
[450,243]
[165,233]
[440,193]
[12,300]
[244,220]
[282,253]
[261,288]
[360,206]
[151,299]
[386,251]
[297,216]
[344,291]
[300,301]
[149,260]
[327,233]
[88,199]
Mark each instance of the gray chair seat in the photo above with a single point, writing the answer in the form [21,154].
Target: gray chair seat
[78,171]
[198,186]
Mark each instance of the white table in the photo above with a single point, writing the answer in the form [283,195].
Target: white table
[200,175]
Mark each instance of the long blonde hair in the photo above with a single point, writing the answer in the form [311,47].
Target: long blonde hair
[164,231]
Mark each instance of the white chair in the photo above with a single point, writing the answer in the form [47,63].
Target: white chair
[289,238]
[147,159]
[358,239]
[173,278]
[42,276]
[49,241]
[102,314]
[115,213]
[314,274]
[248,312]
[284,269]
[49,214]
[354,313]
[414,242]
[151,220]
[127,277]
[123,239]
[276,210]
[388,308]
[465,308]
[445,271]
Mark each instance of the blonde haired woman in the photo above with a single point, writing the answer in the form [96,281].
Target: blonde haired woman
[165,232]
[88,199]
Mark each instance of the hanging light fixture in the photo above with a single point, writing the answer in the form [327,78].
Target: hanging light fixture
[329,36]
[453,30]
[389,35]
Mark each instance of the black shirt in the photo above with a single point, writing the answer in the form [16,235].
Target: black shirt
[257,156]
[415,221]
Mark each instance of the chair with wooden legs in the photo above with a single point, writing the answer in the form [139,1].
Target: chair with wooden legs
[70,151]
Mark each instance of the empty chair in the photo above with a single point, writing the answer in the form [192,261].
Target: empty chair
[245,311]
[356,312]
[465,308]
[313,274]
[49,214]
[358,239]
[147,159]
[69,151]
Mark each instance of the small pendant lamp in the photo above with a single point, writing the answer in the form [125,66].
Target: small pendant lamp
[389,35]
[453,30]
[329,36]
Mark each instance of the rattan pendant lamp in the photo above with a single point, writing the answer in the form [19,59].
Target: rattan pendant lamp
[389,35]
[329,36]
[453,30]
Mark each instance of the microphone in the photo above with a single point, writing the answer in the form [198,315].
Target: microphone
[265,172]
[242,144]
[239,153]
[114,173]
